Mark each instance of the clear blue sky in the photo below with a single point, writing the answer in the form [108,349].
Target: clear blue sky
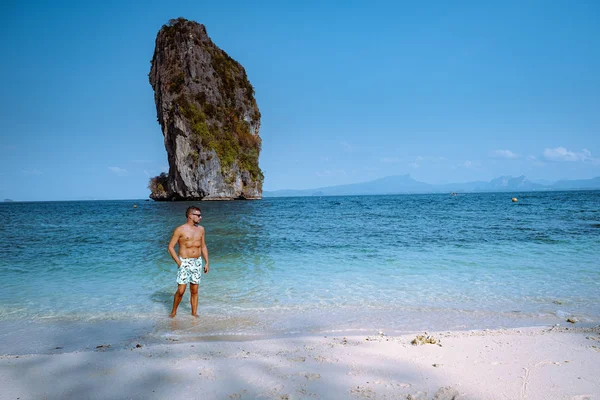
[349,91]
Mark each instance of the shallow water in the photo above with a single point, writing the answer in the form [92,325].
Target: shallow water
[306,265]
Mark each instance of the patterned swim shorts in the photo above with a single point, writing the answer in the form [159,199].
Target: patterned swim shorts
[190,271]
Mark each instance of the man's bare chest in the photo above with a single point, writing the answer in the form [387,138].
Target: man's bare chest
[191,236]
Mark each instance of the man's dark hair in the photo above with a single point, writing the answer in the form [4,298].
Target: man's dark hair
[192,208]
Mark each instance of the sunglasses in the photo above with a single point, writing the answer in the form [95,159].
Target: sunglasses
[198,215]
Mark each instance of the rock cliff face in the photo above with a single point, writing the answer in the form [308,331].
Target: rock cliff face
[209,118]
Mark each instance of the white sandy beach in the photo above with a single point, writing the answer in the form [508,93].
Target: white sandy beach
[530,363]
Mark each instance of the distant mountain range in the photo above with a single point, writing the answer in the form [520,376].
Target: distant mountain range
[405,184]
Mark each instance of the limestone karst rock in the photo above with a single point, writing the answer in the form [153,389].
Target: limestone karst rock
[209,118]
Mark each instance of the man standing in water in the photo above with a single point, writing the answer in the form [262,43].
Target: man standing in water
[190,237]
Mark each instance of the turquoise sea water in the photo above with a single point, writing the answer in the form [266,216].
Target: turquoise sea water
[100,269]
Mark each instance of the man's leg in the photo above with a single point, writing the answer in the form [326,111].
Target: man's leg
[177,298]
[194,298]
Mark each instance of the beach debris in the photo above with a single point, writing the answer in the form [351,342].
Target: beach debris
[102,347]
[344,341]
[243,353]
[446,393]
[557,302]
[58,348]
[137,346]
[363,391]
[435,365]
[425,339]
[572,320]
[514,200]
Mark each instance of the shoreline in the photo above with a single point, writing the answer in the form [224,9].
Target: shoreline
[55,336]
[532,363]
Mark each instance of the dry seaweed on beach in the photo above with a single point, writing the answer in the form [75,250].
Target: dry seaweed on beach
[102,347]
[425,339]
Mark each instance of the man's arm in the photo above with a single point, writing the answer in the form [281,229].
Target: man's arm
[204,252]
[172,243]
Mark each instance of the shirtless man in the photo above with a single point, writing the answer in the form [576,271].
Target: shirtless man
[190,237]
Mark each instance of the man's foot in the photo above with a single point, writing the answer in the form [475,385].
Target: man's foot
[172,315]
[195,315]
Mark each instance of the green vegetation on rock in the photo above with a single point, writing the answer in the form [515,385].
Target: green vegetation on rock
[177,81]
[158,185]
[232,142]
